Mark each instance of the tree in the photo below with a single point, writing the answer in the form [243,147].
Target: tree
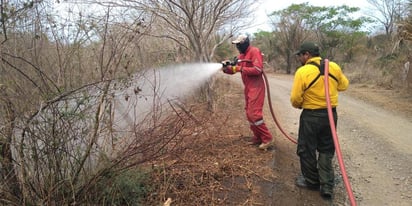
[192,24]
[404,30]
[335,27]
[388,13]
[265,42]
[290,30]
[325,25]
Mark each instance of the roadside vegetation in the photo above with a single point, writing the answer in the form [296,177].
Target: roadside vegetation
[61,72]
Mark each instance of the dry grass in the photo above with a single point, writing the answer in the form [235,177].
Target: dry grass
[216,165]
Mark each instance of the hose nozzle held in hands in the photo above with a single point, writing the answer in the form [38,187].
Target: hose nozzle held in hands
[230,67]
[230,63]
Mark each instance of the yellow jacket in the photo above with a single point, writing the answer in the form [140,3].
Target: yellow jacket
[314,96]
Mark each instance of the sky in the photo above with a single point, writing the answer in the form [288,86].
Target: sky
[268,6]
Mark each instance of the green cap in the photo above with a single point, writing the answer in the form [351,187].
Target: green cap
[310,47]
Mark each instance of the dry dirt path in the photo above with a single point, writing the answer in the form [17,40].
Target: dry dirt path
[376,145]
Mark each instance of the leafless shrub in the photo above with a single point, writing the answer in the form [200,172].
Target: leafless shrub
[61,132]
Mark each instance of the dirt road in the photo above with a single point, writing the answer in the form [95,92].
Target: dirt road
[376,145]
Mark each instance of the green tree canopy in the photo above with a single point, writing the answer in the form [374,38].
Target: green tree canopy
[329,26]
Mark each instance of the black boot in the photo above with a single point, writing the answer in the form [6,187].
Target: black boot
[301,182]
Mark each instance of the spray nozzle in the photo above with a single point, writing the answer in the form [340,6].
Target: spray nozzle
[231,63]
[227,63]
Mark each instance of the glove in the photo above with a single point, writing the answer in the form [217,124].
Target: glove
[235,68]
[225,64]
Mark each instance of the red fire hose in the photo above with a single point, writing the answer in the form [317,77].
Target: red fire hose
[332,127]
[273,113]
[335,137]
[270,104]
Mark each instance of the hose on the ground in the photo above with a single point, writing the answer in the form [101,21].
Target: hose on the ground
[335,137]
[273,113]
[332,127]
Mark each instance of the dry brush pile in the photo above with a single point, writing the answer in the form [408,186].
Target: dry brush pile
[215,165]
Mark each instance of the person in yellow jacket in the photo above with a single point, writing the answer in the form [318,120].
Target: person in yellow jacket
[315,141]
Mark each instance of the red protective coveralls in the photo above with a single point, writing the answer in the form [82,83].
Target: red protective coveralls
[252,76]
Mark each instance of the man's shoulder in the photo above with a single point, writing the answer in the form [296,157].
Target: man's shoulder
[335,65]
[307,69]
[254,51]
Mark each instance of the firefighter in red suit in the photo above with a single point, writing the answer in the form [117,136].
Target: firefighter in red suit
[250,65]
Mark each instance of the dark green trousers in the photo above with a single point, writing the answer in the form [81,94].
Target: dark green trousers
[316,148]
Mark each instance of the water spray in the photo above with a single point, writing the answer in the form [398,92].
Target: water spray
[159,86]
